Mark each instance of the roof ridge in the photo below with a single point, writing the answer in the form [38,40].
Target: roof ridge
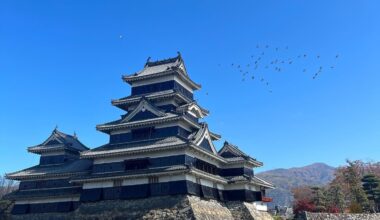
[234,148]
[163,61]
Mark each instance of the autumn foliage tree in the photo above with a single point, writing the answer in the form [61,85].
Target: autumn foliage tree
[355,188]
[303,200]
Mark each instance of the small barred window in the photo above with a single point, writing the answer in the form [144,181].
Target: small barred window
[198,181]
[153,179]
[117,182]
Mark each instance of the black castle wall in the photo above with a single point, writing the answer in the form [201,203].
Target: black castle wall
[162,86]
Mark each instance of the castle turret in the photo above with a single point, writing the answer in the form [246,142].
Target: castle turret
[46,187]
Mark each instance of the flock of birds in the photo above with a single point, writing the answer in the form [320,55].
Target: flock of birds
[268,59]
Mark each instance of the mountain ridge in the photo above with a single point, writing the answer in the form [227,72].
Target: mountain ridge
[316,174]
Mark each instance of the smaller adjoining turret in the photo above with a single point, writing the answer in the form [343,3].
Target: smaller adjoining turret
[58,148]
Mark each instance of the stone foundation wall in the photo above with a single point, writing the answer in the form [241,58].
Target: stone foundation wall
[165,207]
[341,216]
[209,209]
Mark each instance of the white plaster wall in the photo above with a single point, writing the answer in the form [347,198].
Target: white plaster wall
[207,183]
[236,186]
[93,185]
[139,181]
[172,178]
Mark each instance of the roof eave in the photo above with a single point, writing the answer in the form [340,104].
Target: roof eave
[39,150]
[84,180]
[101,154]
[107,128]
[41,176]
[134,78]
[123,104]
[215,136]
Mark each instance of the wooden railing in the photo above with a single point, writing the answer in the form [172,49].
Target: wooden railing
[266,199]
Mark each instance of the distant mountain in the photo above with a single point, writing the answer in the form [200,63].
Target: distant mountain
[317,174]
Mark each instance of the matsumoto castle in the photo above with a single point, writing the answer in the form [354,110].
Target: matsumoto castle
[158,147]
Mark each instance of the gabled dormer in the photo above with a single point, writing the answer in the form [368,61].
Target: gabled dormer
[144,110]
[229,151]
[203,138]
[58,148]
[193,109]
[234,155]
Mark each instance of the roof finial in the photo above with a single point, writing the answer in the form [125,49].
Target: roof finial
[179,55]
[55,129]
[146,64]
[75,135]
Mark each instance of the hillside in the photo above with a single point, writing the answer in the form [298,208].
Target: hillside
[316,174]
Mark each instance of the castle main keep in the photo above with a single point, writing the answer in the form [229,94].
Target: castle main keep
[161,146]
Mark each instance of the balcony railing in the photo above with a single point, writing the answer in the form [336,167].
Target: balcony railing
[266,199]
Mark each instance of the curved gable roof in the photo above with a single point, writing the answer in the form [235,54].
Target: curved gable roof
[59,140]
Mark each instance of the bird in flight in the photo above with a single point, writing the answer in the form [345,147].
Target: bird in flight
[271,61]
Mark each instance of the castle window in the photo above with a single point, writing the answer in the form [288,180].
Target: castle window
[153,179]
[117,183]
[144,133]
[214,185]
[137,164]
[198,180]
[204,166]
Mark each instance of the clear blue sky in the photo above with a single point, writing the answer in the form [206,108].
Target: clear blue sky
[61,64]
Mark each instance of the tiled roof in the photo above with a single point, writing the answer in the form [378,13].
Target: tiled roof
[236,178]
[59,140]
[133,99]
[193,104]
[160,68]
[253,179]
[234,149]
[157,66]
[69,167]
[234,154]
[262,182]
[232,159]
[120,123]
[128,148]
[169,117]
[131,173]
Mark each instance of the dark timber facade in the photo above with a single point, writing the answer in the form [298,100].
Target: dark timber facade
[158,147]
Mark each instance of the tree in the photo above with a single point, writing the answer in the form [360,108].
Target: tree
[303,197]
[353,178]
[303,205]
[345,193]
[6,186]
[371,187]
[319,199]
[335,198]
